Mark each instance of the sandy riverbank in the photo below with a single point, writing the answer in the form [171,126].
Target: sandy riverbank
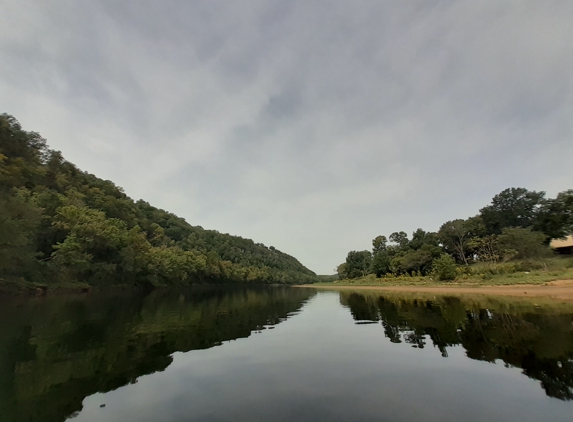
[559,289]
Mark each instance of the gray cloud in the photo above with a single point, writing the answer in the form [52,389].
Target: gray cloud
[310,126]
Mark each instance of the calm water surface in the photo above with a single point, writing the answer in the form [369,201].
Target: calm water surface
[284,354]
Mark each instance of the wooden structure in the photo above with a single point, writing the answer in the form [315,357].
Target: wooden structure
[563,246]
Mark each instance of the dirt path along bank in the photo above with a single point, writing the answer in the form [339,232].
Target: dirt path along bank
[559,289]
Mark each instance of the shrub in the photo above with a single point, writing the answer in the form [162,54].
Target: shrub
[528,266]
[526,243]
[444,267]
[465,270]
[487,276]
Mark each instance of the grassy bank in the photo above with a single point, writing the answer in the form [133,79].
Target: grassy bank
[517,272]
[515,305]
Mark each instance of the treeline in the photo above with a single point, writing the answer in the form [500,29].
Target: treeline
[59,224]
[518,224]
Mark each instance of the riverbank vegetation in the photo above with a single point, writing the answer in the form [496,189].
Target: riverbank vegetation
[63,227]
[506,243]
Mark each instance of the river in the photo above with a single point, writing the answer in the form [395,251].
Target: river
[284,354]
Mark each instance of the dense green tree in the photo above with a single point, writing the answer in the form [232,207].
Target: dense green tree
[555,217]
[401,238]
[527,244]
[419,260]
[476,226]
[421,238]
[381,264]
[358,264]
[455,236]
[379,244]
[21,155]
[513,207]
[19,219]
[341,271]
[488,249]
[380,256]
[405,256]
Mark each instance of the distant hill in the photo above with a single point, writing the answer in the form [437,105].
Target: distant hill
[61,225]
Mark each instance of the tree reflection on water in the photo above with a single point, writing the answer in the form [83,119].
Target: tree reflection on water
[539,340]
[55,351]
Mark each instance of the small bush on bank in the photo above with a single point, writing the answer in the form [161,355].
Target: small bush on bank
[529,266]
[444,268]
[465,271]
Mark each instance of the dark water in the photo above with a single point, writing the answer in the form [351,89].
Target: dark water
[284,354]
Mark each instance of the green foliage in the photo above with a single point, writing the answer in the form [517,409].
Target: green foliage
[555,218]
[19,220]
[401,238]
[514,207]
[514,226]
[323,278]
[381,263]
[421,238]
[358,264]
[59,224]
[21,155]
[379,244]
[380,256]
[488,249]
[455,237]
[341,271]
[405,256]
[527,243]
[420,260]
[444,268]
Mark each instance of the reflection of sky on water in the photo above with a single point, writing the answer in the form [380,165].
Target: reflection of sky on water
[320,365]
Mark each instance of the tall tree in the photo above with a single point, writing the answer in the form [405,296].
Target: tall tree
[379,244]
[488,249]
[421,237]
[380,257]
[419,260]
[555,218]
[527,244]
[513,207]
[455,236]
[358,263]
[401,238]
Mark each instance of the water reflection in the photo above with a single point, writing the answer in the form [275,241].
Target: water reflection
[539,340]
[64,357]
[56,351]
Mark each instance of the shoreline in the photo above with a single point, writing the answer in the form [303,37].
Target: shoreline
[558,289]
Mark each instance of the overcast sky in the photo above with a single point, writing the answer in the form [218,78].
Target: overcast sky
[309,125]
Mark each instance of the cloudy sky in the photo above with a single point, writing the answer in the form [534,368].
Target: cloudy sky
[309,125]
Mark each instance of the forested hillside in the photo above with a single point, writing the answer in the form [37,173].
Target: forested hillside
[61,225]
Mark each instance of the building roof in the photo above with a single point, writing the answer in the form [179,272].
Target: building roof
[562,243]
